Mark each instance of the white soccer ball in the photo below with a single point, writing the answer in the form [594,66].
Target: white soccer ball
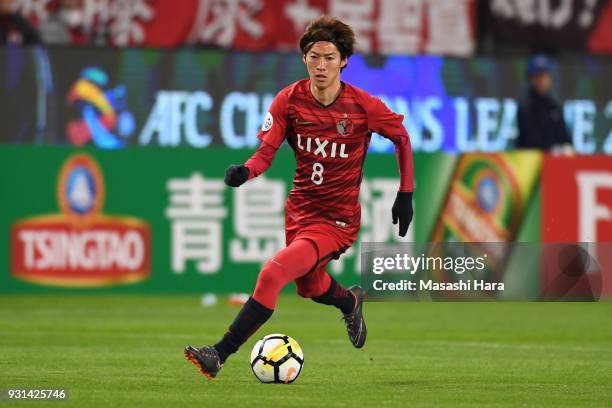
[277,358]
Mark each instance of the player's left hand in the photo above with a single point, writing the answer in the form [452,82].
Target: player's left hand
[402,211]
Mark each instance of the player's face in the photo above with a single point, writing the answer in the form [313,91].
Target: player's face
[323,62]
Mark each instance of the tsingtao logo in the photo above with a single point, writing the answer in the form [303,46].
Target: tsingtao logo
[80,246]
[103,116]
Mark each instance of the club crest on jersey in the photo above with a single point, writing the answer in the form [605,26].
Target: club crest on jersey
[345,127]
[268,122]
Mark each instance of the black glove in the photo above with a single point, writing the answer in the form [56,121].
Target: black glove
[236,175]
[402,210]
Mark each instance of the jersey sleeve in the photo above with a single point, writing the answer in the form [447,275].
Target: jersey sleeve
[385,122]
[390,125]
[260,160]
[275,123]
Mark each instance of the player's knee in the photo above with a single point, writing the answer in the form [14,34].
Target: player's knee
[271,275]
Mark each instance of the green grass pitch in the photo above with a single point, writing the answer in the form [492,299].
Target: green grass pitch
[127,351]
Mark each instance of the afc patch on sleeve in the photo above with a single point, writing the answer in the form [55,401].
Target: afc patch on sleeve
[268,122]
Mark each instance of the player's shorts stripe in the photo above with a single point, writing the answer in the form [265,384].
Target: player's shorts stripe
[332,255]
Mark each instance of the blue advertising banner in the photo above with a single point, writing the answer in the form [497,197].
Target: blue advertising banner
[199,98]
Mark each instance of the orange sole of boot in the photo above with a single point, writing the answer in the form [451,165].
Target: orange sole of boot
[196,363]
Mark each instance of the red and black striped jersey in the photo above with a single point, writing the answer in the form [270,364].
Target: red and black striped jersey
[330,143]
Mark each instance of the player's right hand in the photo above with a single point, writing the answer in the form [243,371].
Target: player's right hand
[235,176]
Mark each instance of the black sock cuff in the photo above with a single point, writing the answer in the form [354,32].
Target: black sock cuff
[262,311]
[328,293]
[252,315]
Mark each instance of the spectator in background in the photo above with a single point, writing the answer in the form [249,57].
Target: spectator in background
[540,117]
[15,29]
[65,25]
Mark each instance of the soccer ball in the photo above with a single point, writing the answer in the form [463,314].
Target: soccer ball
[277,358]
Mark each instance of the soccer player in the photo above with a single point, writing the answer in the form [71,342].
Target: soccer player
[328,124]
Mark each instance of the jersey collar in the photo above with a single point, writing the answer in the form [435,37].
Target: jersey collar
[329,104]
